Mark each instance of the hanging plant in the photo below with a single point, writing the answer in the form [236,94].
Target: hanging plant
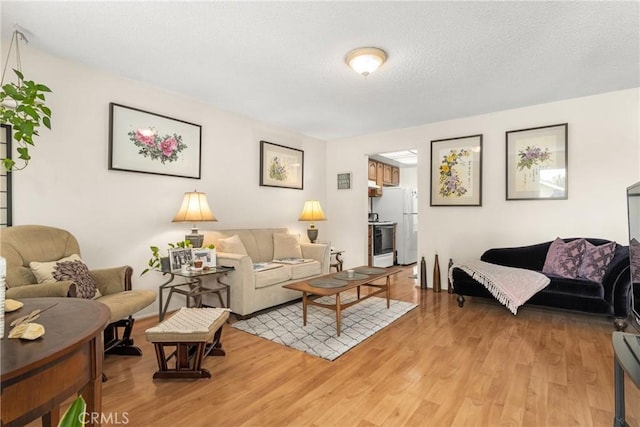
[22,106]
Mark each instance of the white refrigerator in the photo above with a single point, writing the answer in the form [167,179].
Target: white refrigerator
[400,205]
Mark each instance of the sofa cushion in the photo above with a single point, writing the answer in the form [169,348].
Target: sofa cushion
[286,245]
[564,259]
[300,271]
[595,261]
[232,245]
[271,277]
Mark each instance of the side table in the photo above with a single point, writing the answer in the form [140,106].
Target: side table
[192,287]
[338,260]
[626,348]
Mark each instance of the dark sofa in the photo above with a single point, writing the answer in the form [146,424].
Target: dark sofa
[611,298]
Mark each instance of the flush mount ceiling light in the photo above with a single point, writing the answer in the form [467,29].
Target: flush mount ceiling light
[365,60]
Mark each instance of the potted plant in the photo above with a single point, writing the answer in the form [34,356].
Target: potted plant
[22,106]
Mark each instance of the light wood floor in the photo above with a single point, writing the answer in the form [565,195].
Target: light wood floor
[439,365]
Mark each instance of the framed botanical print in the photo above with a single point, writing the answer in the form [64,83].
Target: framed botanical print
[536,163]
[456,171]
[281,166]
[5,178]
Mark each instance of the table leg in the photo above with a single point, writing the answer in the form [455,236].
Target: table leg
[51,419]
[304,309]
[338,312]
[619,416]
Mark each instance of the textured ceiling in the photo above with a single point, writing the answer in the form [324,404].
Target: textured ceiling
[283,62]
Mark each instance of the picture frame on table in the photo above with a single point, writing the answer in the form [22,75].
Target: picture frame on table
[208,256]
[179,257]
[145,142]
[281,166]
[344,181]
[537,163]
[456,171]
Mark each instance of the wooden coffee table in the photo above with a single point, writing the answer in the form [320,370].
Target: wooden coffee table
[336,283]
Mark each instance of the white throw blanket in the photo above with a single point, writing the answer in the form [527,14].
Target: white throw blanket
[511,286]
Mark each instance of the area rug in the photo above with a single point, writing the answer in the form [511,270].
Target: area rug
[319,337]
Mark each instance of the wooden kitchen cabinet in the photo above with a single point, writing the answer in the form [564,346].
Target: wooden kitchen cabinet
[386,174]
[395,176]
[373,169]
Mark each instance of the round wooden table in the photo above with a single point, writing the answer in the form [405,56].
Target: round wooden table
[37,376]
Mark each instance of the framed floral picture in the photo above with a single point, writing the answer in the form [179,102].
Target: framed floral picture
[281,166]
[456,171]
[145,142]
[536,163]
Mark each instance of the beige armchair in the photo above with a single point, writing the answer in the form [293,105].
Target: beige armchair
[22,244]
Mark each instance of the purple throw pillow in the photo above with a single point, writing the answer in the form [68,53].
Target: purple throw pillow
[564,259]
[634,250]
[595,261]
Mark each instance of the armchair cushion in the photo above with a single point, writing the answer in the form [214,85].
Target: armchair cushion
[286,245]
[44,270]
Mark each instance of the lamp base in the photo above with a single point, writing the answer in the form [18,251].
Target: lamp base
[312,234]
[196,239]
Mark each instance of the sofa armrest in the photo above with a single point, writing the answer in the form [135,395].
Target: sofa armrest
[112,280]
[318,251]
[617,282]
[241,281]
[40,290]
[531,257]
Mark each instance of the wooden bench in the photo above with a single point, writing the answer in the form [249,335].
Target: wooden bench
[193,333]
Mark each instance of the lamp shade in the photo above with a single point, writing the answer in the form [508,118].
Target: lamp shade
[312,211]
[366,60]
[195,208]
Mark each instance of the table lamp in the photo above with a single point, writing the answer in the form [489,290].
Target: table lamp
[312,212]
[195,208]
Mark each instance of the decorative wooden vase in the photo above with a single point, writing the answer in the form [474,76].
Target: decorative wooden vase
[449,285]
[437,287]
[423,274]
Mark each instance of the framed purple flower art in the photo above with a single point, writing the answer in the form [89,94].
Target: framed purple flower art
[140,141]
[456,171]
[537,163]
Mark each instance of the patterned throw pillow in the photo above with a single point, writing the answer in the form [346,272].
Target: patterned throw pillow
[564,259]
[596,260]
[634,250]
[77,272]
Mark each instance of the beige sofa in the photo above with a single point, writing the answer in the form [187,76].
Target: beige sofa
[252,291]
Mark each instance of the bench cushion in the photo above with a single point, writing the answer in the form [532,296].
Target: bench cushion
[189,325]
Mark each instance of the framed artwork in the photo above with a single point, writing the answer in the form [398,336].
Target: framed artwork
[344,181]
[537,163]
[5,178]
[456,171]
[140,141]
[204,254]
[281,166]
[179,257]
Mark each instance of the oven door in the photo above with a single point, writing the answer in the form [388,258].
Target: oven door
[382,239]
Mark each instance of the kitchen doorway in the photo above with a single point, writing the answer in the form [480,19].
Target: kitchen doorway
[393,202]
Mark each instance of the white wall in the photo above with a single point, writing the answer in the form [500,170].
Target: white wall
[603,153]
[117,215]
